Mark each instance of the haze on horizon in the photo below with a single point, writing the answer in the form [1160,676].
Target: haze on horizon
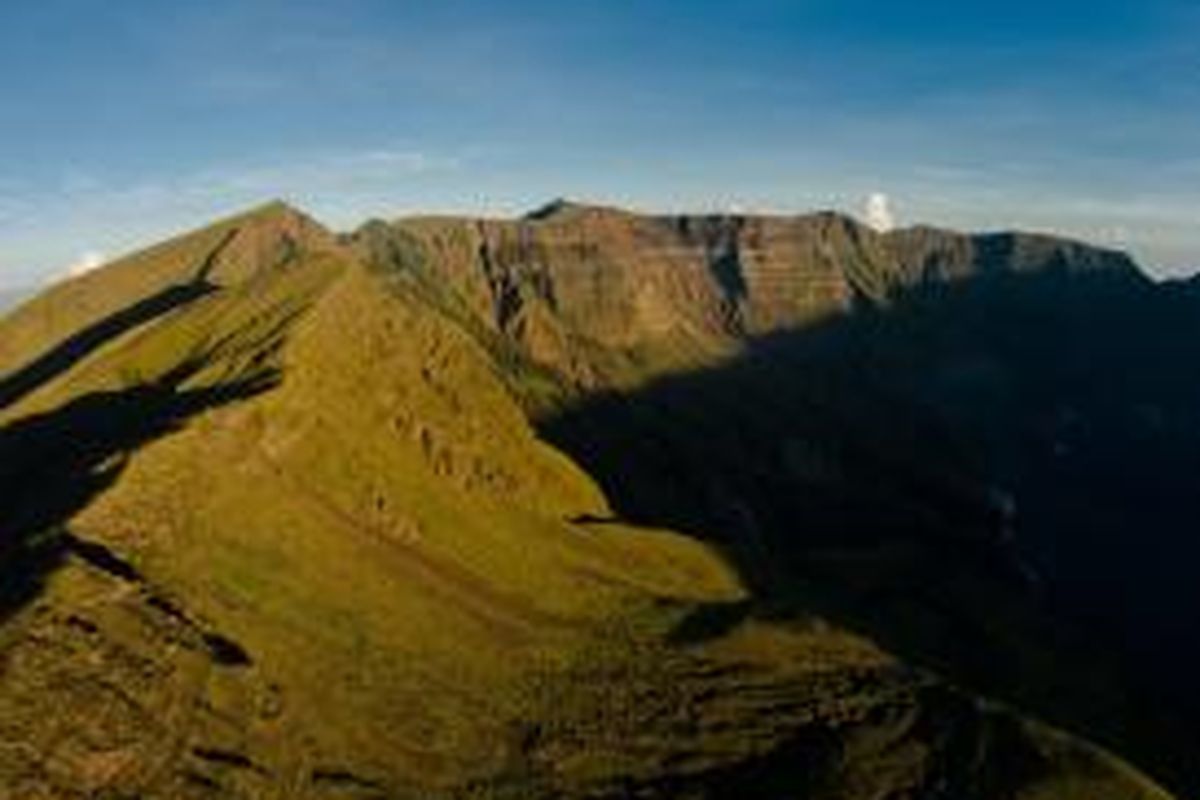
[126,122]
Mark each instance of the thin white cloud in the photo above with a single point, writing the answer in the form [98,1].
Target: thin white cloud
[86,262]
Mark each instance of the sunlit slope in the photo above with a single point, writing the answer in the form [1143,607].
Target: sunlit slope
[296,538]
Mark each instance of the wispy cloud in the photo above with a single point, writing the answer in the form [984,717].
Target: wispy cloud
[307,174]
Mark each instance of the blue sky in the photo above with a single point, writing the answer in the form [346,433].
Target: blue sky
[122,122]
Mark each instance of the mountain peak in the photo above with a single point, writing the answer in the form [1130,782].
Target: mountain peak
[276,211]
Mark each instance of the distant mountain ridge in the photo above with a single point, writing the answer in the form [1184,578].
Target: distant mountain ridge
[570,280]
[585,504]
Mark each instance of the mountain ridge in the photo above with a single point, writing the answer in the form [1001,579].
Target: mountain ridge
[340,525]
[588,281]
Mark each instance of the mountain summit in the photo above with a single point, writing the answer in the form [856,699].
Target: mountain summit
[585,504]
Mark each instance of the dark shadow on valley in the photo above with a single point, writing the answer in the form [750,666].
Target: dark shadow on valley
[53,464]
[995,478]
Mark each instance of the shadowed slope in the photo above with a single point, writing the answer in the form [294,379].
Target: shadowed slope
[52,465]
[949,473]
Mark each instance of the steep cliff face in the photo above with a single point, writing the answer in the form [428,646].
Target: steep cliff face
[609,297]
